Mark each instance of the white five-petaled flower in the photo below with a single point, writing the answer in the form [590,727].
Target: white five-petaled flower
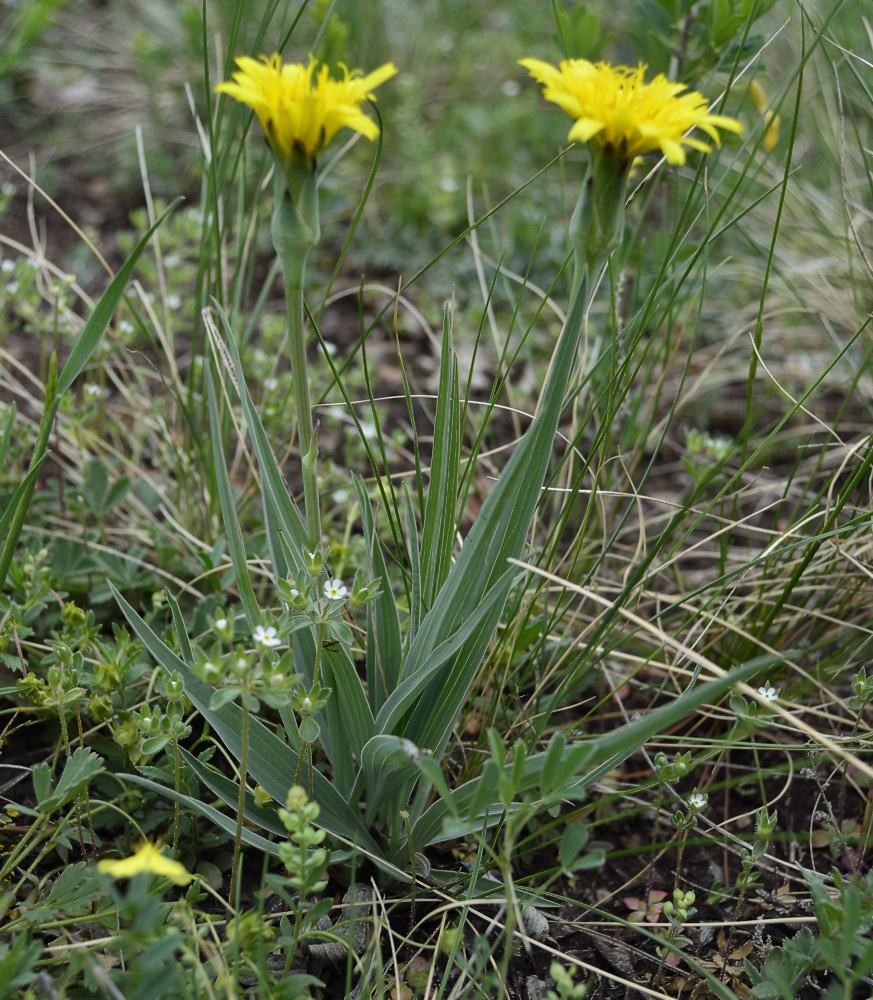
[768,692]
[334,590]
[697,801]
[266,636]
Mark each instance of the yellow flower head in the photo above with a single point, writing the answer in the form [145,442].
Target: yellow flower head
[615,108]
[301,108]
[771,120]
[148,858]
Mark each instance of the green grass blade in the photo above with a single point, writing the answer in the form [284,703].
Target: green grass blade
[6,434]
[346,720]
[24,487]
[387,763]
[96,325]
[416,611]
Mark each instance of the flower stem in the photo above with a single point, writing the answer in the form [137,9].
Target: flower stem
[296,232]
[243,769]
[294,283]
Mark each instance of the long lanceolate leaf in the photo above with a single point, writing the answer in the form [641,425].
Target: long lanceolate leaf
[271,763]
[438,527]
[498,534]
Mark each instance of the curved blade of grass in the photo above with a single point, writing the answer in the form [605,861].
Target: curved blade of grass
[271,762]
[179,625]
[25,486]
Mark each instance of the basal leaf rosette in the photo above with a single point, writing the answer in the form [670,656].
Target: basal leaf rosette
[301,108]
[614,108]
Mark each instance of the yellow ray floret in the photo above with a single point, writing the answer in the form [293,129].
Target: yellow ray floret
[614,107]
[148,858]
[301,108]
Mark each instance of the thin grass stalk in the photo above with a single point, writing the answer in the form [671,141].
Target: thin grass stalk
[241,805]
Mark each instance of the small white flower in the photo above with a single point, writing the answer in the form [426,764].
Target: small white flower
[697,801]
[768,692]
[271,384]
[266,636]
[174,301]
[448,184]
[92,391]
[512,88]
[125,327]
[334,590]
[340,495]
[221,624]
[8,266]
[12,287]
[211,670]
[331,348]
